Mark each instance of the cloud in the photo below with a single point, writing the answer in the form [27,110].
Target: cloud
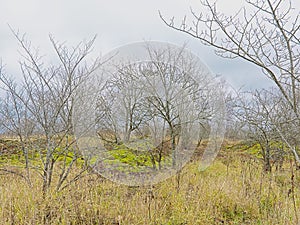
[116,22]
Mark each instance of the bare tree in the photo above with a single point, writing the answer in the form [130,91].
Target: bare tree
[267,120]
[171,91]
[283,120]
[253,110]
[122,96]
[47,95]
[16,119]
[265,33]
[163,97]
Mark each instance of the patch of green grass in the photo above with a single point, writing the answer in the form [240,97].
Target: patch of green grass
[136,160]
[130,157]
[255,150]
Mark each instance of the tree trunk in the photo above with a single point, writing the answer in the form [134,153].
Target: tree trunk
[173,148]
[267,163]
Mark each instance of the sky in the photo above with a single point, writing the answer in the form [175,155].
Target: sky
[116,23]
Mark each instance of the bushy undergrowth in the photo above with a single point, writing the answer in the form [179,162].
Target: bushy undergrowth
[234,190]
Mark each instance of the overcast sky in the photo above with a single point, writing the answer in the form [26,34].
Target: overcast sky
[116,22]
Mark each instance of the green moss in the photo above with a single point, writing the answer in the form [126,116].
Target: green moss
[132,159]
[68,158]
[255,150]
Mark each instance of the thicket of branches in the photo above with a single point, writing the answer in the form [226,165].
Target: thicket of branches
[265,33]
[38,107]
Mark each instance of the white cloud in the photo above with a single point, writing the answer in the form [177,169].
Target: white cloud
[116,22]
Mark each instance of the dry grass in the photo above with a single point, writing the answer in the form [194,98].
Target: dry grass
[234,190]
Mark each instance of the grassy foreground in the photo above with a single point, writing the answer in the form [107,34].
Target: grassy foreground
[234,190]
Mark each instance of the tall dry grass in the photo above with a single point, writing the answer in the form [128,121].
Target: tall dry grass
[234,190]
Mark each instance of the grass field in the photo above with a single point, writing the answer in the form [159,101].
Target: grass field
[234,190]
